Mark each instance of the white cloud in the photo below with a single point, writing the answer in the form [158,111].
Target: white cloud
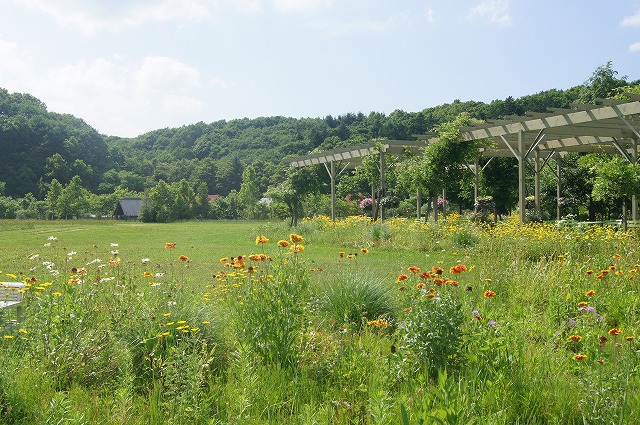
[339,28]
[88,17]
[14,62]
[301,5]
[429,16]
[250,6]
[177,104]
[494,11]
[635,47]
[124,98]
[631,21]
[165,74]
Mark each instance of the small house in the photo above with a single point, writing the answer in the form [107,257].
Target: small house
[128,208]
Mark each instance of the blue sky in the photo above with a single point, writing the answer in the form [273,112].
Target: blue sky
[131,66]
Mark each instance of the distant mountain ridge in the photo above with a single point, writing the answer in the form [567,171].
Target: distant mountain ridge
[38,146]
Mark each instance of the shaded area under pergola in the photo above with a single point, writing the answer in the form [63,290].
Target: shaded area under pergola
[611,126]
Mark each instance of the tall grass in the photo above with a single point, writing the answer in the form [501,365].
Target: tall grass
[401,322]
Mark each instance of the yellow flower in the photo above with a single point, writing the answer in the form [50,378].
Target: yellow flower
[282,243]
[261,240]
[579,357]
[8,337]
[295,238]
[297,248]
[364,250]
[577,338]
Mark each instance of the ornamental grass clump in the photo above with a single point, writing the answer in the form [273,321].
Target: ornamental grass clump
[356,298]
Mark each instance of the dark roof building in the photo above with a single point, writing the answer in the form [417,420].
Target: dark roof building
[128,208]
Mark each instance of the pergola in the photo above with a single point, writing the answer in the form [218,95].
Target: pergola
[611,126]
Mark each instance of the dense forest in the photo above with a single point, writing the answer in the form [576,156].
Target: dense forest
[43,149]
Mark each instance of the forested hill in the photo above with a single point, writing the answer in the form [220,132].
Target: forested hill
[38,146]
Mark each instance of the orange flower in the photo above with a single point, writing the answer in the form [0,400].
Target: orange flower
[629,338]
[437,270]
[602,340]
[590,272]
[183,258]
[583,304]
[364,250]
[579,357]
[577,338]
[489,294]
[430,295]
[341,254]
[147,274]
[427,275]
[224,259]
[414,269]
[282,243]
[420,285]
[401,278]
[261,240]
[170,245]
[380,323]
[294,238]
[614,331]
[457,269]
[590,293]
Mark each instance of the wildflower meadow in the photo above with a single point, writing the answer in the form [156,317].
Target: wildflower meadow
[346,322]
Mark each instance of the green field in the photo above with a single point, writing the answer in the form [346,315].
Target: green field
[400,322]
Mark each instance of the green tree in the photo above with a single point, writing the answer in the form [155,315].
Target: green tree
[202,205]
[53,198]
[162,201]
[602,84]
[185,198]
[74,199]
[616,180]
[249,194]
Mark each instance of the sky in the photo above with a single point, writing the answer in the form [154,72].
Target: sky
[127,67]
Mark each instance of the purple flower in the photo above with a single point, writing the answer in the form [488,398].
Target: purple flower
[491,323]
[571,321]
[475,313]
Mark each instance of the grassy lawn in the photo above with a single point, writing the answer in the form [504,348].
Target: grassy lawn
[400,322]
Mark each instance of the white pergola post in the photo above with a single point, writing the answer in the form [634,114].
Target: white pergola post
[558,185]
[634,200]
[536,168]
[521,177]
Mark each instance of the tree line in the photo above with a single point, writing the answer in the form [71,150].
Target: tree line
[58,166]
